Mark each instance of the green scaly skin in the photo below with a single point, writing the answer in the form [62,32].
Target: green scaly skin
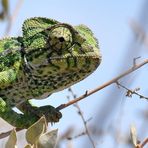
[49,57]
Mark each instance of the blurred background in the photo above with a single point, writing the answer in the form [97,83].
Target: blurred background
[121,28]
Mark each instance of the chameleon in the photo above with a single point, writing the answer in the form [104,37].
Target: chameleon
[49,56]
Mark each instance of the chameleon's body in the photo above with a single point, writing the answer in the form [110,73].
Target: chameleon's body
[50,56]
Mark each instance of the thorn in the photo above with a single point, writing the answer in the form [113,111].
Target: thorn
[117,84]
[86,92]
[135,60]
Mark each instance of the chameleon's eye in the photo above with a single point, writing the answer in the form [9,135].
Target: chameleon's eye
[60,38]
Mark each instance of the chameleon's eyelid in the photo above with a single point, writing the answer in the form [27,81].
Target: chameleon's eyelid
[72,30]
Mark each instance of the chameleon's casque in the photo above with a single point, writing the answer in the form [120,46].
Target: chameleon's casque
[50,56]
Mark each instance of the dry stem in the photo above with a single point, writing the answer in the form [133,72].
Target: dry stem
[114,80]
[83,120]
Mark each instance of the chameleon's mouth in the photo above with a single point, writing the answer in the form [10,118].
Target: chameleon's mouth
[69,59]
[86,55]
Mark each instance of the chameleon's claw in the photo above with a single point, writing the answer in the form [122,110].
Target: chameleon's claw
[54,117]
[51,113]
[58,116]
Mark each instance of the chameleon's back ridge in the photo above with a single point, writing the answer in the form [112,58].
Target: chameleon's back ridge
[50,57]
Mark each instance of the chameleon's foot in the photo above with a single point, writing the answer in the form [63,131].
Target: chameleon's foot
[30,114]
[51,113]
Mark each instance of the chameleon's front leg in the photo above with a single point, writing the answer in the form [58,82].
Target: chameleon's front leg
[15,119]
[30,114]
[51,113]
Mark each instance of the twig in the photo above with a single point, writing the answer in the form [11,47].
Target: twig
[130,92]
[142,144]
[83,120]
[12,18]
[114,80]
[77,136]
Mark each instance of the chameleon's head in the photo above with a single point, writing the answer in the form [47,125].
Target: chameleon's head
[63,54]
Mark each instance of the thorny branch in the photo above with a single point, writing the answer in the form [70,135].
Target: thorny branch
[131,92]
[88,93]
[112,81]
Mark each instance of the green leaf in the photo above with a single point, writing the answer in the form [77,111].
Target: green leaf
[11,143]
[48,140]
[36,130]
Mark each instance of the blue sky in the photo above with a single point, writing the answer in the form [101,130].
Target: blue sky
[110,22]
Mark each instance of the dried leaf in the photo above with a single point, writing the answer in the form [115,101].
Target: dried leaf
[29,146]
[133,133]
[48,140]
[36,130]
[11,143]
